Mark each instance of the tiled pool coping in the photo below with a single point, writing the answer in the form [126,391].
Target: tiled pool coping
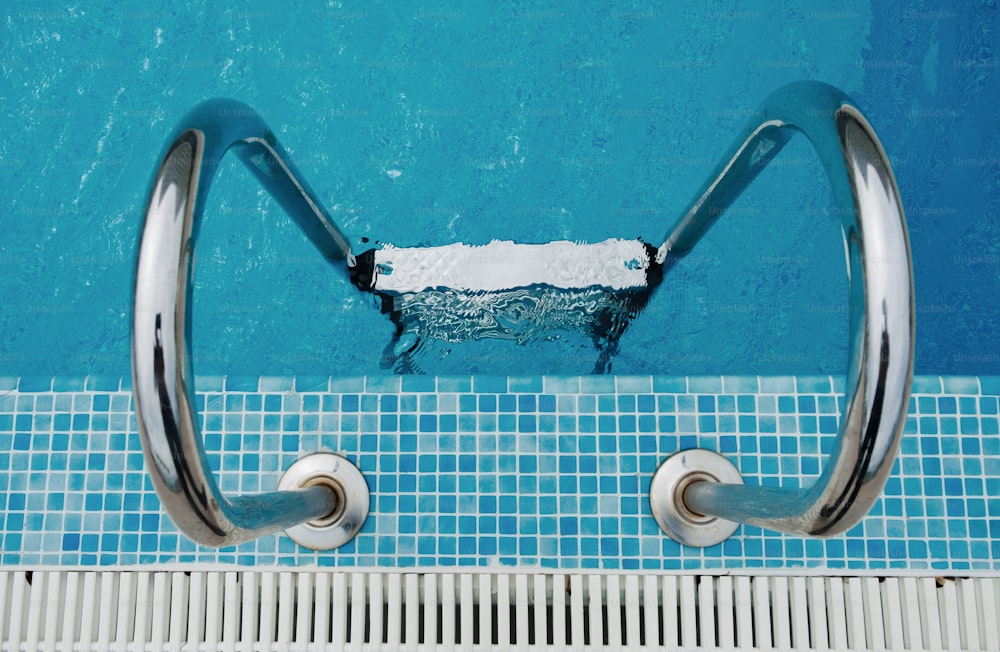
[533,472]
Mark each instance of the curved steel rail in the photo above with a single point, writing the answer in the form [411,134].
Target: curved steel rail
[881,301]
[880,367]
[161,367]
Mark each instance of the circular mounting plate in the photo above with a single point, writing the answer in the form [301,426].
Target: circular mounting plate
[353,499]
[666,497]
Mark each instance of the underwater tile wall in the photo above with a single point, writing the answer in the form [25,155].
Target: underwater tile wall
[541,472]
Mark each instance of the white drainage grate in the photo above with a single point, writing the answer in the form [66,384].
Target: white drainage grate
[245,610]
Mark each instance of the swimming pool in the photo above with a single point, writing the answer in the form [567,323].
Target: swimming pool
[455,124]
[526,123]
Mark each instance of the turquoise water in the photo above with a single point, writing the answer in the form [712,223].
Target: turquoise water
[452,123]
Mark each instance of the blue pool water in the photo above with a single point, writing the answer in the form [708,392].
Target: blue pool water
[456,123]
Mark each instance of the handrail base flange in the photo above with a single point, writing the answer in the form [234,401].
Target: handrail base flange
[352,499]
[666,497]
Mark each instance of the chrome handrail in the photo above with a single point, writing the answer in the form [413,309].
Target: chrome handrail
[881,319]
[162,376]
[880,368]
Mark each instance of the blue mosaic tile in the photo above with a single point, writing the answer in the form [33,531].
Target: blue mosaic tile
[989,386]
[561,384]
[633,384]
[549,472]
[597,384]
[68,384]
[927,385]
[777,385]
[241,383]
[276,383]
[704,384]
[532,384]
[454,384]
[813,384]
[740,384]
[312,383]
[960,384]
[489,384]
[669,384]
[203,384]
[347,384]
[103,383]
[35,384]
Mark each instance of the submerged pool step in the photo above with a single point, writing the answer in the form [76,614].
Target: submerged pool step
[244,610]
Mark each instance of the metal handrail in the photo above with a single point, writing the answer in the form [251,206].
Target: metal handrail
[880,367]
[880,289]
[162,376]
